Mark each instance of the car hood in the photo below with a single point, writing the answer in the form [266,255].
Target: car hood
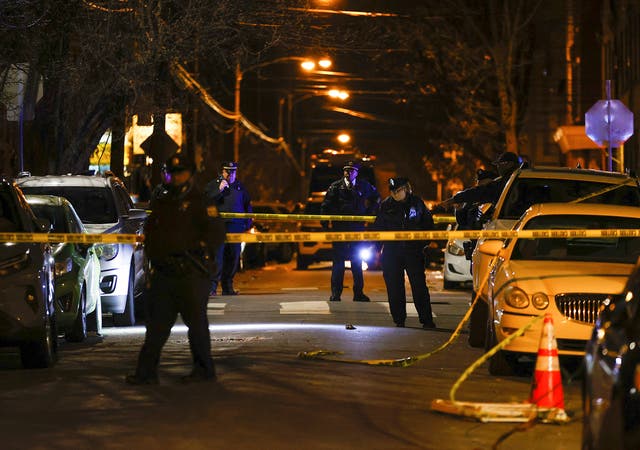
[556,277]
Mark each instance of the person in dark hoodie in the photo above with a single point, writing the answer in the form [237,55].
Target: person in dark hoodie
[229,195]
[405,211]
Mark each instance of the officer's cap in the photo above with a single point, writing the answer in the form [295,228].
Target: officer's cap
[178,162]
[397,183]
[351,165]
[230,165]
[507,157]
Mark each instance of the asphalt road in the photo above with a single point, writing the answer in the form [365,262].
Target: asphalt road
[266,397]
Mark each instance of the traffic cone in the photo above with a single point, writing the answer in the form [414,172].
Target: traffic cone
[546,391]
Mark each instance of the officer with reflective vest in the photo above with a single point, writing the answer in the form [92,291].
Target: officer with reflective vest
[404,211]
[181,235]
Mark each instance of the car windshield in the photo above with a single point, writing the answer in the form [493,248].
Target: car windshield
[55,215]
[93,205]
[527,191]
[600,249]
[9,220]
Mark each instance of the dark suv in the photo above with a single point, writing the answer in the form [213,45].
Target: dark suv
[104,206]
[27,311]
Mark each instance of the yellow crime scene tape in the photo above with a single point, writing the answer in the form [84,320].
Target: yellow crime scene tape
[437,218]
[333,236]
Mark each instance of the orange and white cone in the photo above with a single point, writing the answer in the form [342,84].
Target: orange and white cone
[546,391]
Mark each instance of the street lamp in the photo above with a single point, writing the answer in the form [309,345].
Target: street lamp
[306,64]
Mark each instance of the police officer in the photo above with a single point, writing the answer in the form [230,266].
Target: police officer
[180,236]
[349,196]
[403,210]
[506,164]
[229,195]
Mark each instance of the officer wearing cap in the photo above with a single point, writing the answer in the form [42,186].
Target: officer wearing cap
[404,211]
[350,196]
[506,164]
[181,236]
[229,195]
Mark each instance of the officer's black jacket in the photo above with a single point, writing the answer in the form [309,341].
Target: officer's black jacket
[179,225]
[359,200]
[408,215]
[234,198]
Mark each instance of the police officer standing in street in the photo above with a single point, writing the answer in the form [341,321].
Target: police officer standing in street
[404,211]
[350,196]
[229,195]
[181,234]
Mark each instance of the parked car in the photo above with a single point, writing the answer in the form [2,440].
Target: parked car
[538,185]
[27,311]
[77,270]
[255,255]
[456,269]
[567,277]
[104,206]
[611,394]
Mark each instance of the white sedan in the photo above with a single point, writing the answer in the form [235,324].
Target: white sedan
[566,277]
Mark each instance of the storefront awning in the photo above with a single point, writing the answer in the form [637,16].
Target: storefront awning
[573,137]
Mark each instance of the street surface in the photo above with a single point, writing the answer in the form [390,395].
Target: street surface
[268,398]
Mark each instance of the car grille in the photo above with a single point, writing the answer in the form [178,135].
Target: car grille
[582,307]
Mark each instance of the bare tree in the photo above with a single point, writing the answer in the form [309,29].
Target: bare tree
[104,59]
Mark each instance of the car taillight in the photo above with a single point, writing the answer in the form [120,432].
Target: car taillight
[636,378]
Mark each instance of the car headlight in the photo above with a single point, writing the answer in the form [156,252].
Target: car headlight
[455,249]
[108,251]
[515,297]
[540,300]
[63,267]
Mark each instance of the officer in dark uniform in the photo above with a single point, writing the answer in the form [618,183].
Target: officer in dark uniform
[403,210]
[180,235]
[229,195]
[350,196]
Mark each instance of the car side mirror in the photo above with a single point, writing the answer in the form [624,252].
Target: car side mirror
[491,247]
[136,214]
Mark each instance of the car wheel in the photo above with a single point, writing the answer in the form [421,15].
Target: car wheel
[94,319]
[478,323]
[501,363]
[127,317]
[286,253]
[78,331]
[41,352]
[446,284]
[302,263]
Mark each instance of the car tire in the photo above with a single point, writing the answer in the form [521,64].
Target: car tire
[478,323]
[285,254]
[501,363]
[41,352]
[446,284]
[94,319]
[127,317]
[78,330]
[302,263]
